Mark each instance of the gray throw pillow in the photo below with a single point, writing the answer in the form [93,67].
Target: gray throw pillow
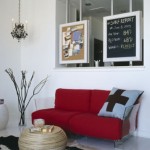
[117,102]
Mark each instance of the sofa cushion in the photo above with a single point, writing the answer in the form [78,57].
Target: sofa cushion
[118,101]
[55,117]
[98,98]
[92,125]
[72,99]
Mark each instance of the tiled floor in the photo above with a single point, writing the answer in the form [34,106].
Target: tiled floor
[133,143]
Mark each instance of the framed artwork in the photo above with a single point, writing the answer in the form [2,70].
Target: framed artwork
[74,43]
[122,37]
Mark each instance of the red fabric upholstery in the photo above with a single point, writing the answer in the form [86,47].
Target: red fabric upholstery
[98,98]
[73,99]
[95,126]
[55,117]
[43,114]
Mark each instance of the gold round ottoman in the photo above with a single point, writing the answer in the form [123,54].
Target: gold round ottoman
[55,140]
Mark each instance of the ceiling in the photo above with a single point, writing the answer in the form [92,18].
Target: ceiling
[103,7]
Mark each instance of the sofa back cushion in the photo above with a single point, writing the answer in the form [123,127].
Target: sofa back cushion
[73,99]
[98,98]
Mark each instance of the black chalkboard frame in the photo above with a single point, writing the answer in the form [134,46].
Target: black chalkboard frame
[117,53]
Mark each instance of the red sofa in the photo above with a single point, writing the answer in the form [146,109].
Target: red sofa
[76,111]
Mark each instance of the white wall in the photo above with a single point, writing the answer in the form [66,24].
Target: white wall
[9,53]
[38,53]
[35,53]
[38,50]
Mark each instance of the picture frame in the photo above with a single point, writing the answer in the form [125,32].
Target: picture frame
[122,37]
[74,42]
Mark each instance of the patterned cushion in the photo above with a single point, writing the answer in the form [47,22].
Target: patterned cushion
[117,102]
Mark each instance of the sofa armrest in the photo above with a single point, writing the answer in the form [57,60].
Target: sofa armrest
[44,103]
[130,120]
[127,112]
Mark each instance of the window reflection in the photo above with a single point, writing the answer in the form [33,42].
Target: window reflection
[95,10]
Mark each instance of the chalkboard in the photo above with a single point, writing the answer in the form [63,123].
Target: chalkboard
[122,40]
[121,37]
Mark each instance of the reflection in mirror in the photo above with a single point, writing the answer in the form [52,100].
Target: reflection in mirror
[121,6]
[94,11]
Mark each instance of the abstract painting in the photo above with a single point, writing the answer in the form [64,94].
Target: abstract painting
[74,43]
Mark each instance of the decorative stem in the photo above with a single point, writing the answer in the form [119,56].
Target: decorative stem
[22,119]
[22,92]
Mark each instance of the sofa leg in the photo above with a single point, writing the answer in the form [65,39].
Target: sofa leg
[118,143]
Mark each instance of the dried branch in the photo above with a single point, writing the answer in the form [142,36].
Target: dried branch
[22,93]
[37,89]
[12,77]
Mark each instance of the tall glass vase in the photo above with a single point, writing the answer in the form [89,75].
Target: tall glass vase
[22,116]
[22,119]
